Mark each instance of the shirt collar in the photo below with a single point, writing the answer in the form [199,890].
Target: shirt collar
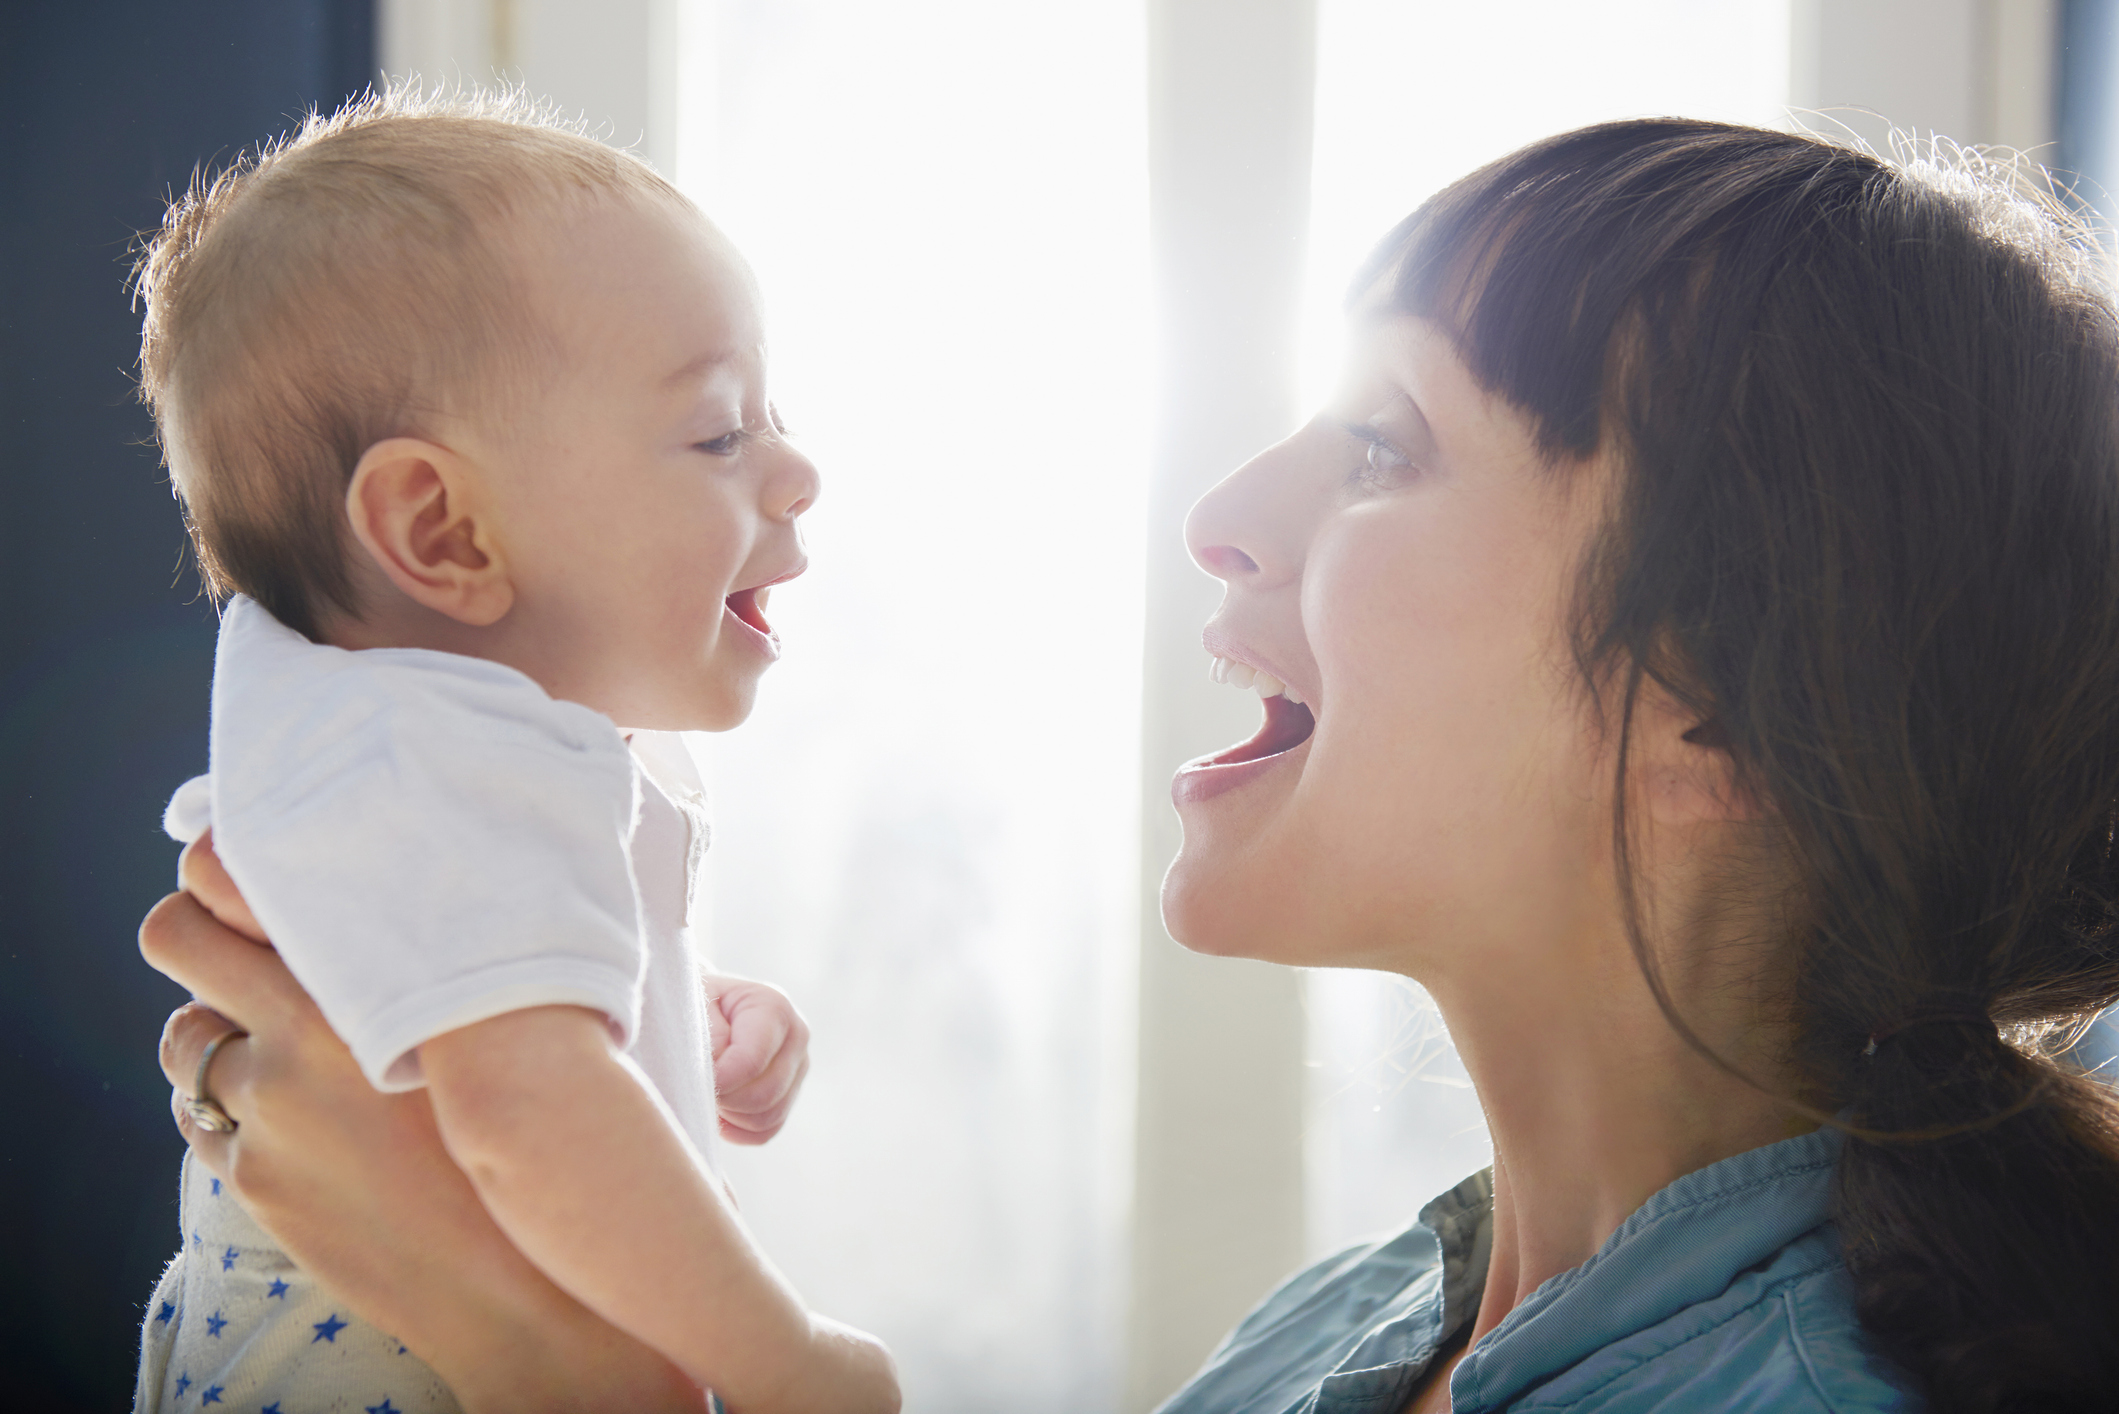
[1380,1371]
[1463,1223]
[1682,1246]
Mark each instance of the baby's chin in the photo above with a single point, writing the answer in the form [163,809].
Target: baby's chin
[719,708]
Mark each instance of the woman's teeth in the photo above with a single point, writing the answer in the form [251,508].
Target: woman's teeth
[1243,675]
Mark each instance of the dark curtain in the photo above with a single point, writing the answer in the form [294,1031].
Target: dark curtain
[105,646]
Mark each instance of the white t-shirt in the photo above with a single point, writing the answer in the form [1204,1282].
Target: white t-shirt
[431,840]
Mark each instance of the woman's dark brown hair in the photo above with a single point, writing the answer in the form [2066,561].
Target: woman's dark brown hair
[1869,420]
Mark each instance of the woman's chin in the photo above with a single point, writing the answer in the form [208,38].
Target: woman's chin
[1220,912]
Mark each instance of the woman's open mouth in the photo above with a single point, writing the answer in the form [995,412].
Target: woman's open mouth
[1288,724]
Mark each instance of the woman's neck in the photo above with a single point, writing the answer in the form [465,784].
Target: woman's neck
[1595,1103]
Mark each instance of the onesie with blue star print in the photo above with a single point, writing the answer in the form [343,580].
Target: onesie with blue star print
[235,1324]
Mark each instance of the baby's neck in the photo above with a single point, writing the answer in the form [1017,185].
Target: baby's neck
[513,642]
[421,628]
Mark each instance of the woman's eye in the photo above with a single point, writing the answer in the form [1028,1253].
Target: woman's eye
[726,445]
[1385,459]
[1383,463]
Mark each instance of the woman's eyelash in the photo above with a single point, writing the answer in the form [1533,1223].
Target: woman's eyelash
[1383,460]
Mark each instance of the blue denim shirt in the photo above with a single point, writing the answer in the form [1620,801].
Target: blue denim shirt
[1724,1292]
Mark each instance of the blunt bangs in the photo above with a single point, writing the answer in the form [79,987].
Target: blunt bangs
[1663,230]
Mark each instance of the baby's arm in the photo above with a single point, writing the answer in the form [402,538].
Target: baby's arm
[579,1163]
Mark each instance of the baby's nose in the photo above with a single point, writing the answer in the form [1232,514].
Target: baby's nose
[794,486]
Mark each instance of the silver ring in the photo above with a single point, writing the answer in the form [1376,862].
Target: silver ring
[204,1112]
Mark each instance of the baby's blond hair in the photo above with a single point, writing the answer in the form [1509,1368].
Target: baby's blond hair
[342,285]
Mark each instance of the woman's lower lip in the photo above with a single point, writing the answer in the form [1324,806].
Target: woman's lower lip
[766,643]
[1202,780]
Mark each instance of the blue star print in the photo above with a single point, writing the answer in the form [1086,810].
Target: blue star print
[214,1324]
[183,1383]
[196,1240]
[328,1329]
[278,1288]
[169,1308]
[384,1408]
[272,1408]
[211,1396]
[228,1259]
[217,1188]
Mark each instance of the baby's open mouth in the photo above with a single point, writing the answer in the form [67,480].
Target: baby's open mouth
[749,606]
[1287,726]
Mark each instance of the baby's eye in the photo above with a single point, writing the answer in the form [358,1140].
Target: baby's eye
[726,445]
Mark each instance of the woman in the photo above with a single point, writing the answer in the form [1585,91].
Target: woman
[1705,595]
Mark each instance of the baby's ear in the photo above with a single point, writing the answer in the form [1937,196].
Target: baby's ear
[415,508]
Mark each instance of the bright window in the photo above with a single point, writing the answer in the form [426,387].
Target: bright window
[925,831]
[929,832]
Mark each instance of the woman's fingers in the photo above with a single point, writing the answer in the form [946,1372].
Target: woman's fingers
[244,982]
[213,1149]
[191,1028]
[199,873]
[185,1037]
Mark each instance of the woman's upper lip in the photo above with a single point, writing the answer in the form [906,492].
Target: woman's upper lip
[1219,642]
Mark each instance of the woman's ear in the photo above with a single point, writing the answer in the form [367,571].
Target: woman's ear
[1686,763]
[414,508]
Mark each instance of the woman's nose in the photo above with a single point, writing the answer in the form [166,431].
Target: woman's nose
[1243,531]
[1224,561]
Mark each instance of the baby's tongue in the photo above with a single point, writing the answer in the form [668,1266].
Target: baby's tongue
[749,606]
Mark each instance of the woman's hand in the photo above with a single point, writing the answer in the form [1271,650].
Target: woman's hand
[761,1055]
[355,1185]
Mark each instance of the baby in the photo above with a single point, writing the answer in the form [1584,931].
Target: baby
[468,413]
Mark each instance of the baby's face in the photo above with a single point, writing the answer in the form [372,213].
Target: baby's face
[645,504]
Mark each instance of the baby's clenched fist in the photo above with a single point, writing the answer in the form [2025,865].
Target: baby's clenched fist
[761,1054]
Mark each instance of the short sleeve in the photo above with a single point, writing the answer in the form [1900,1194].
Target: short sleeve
[428,850]
[190,810]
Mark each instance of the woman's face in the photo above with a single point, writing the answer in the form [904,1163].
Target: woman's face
[1404,563]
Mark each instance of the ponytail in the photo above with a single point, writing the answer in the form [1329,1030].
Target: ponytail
[1985,1260]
